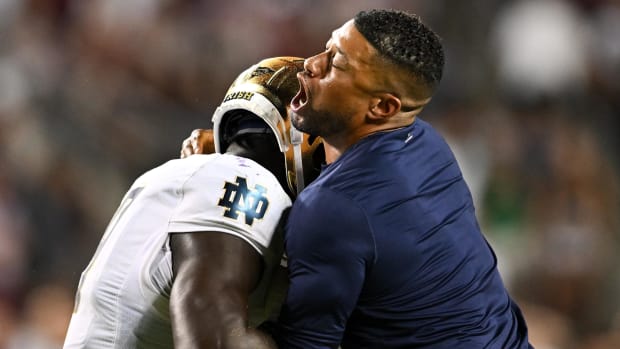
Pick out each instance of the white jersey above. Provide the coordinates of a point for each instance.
(124, 292)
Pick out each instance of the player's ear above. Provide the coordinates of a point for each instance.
(384, 106)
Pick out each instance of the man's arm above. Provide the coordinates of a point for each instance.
(214, 274)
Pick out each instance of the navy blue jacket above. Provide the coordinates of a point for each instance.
(385, 251)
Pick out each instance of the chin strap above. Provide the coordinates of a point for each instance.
(296, 140)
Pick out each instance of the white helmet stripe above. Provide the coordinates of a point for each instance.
(247, 98)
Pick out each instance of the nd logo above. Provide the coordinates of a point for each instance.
(239, 199)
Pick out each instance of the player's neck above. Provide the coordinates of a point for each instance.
(264, 150)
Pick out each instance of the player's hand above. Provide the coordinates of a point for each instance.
(200, 141)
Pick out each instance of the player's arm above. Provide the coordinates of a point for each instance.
(214, 274)
(200, 141)
(329, 247)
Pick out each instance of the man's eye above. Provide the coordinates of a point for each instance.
(337, 63)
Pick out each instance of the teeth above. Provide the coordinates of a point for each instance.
(300, 99)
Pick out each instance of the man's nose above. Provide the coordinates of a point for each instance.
(315, 65)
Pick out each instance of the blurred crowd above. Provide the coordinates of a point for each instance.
(93, 93)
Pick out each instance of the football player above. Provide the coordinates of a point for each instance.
(194, 242)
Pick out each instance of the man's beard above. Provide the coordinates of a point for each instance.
(319, 123)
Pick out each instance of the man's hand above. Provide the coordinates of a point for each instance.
(200, 141)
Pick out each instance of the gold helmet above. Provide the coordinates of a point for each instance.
(266, 89)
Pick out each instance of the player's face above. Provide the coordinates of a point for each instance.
(336, 85)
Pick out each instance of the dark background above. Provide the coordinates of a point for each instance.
(93, 93)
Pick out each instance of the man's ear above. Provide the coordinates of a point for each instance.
(384, 106)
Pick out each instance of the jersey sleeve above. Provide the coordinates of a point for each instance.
(232, 195)
(329, 246)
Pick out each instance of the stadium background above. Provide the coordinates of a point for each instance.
(93, 93)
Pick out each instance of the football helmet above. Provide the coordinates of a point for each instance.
(266, 89)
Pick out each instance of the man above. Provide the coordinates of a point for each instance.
(384, 249)
(395, 257)
(193, 238)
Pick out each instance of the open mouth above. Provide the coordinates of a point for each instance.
(301, 98)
